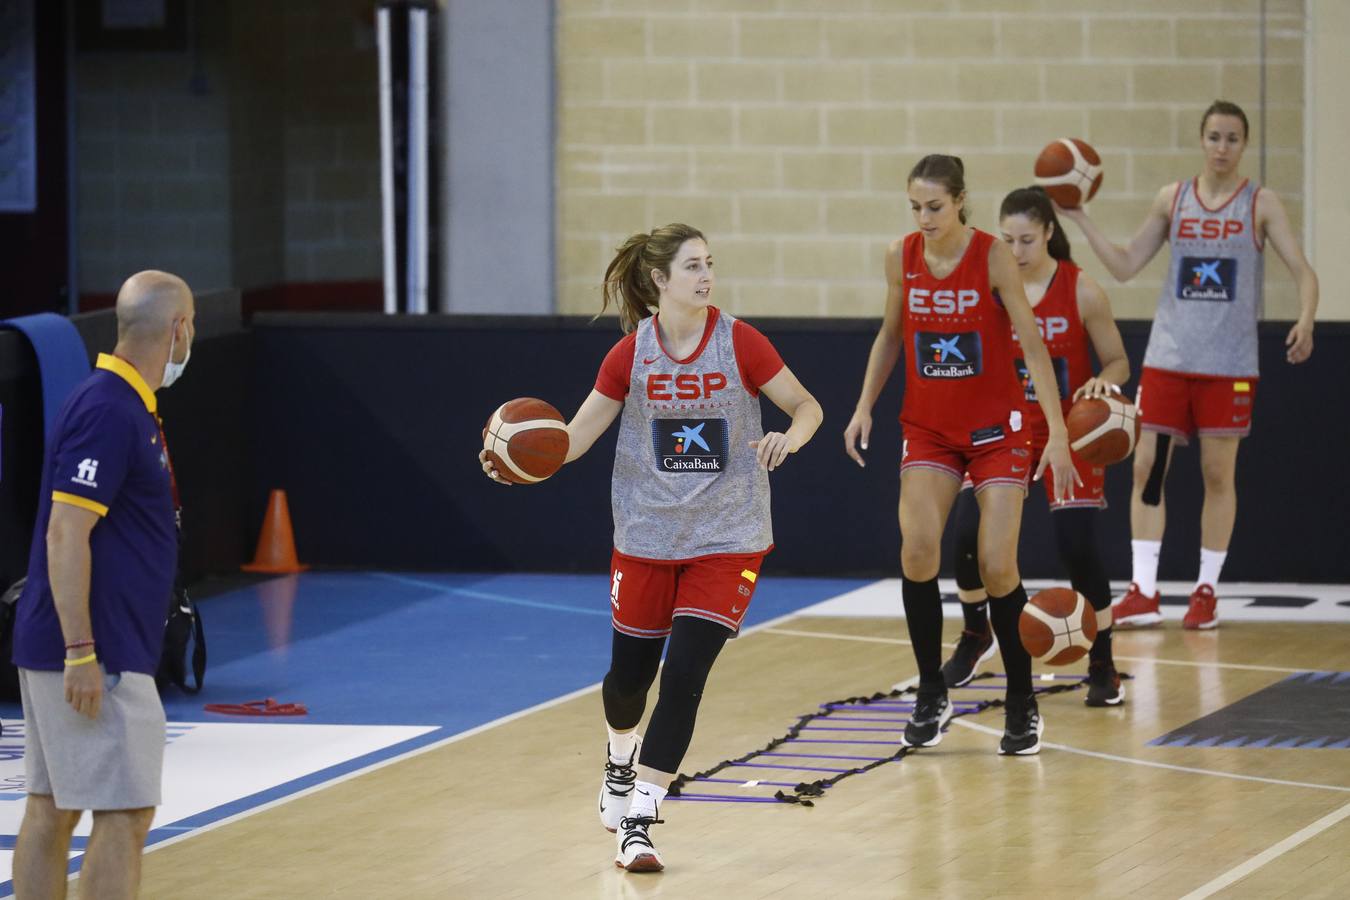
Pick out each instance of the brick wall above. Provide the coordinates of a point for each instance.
(785, 128)
(251, 161)
(152, 163)
(331, 142)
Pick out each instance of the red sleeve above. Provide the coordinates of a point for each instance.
(616, 372)
(756, 358)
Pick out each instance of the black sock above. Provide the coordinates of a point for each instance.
(1101, 647)
(1005, 612)
(923, 617)
(977, 616)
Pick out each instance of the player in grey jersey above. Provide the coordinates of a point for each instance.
(1199, 372)
(691, 505)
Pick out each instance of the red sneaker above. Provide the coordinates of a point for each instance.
(1135, 610)
(1202, 612)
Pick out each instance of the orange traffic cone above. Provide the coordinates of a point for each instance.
(276, 544)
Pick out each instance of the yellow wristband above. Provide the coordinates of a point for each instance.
(81, 661)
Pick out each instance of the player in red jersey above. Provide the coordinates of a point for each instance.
(1074, 317)
(953, 299)
(691, 506)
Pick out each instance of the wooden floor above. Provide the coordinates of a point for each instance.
(510, 811)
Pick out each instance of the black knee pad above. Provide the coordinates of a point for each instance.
(966, 534)
(1152, 493)
(632, 669)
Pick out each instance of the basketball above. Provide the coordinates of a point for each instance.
(1058, 626)
(526, 439)
(1103, 431)
(1070, 171)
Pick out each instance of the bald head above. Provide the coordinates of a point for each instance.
(149, 303)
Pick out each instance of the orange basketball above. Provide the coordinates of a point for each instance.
(526, 439)
(1058, 626)
(1070, 171)
(1103, 431)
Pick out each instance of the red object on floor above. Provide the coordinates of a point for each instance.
(268, 707)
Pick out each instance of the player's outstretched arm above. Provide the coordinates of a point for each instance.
(787, 394)
(1094, 308)
(594, 416)
(1004, 277)
(1126, 262)
(881, 360)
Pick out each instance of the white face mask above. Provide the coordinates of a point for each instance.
(172, 370)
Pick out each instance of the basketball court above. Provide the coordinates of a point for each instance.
(473, 772)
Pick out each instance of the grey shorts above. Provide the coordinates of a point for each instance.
(112, 762)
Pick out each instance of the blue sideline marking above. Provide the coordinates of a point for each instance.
(454, 651)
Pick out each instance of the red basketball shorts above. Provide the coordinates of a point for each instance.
(1008, 461)
(1180, 404)
(1091, 494)
(646, 595)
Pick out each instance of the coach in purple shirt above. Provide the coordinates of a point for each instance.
(90, 622)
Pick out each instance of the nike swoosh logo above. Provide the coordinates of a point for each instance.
(648, 362)
(735, 609)
(909, 275)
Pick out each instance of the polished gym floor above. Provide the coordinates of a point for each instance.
(452, 744)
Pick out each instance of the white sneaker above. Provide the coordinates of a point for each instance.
(616, 790)
(636, 852)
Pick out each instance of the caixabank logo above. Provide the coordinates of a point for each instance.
(1059, 364)
(1207, 279)
(941, 355)
(691, 445)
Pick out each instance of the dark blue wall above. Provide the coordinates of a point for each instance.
(372, 424)
(206, 420)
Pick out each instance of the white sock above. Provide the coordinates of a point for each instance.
(1146, 566)
(647, 799)
(1211, 563)
(621, 744)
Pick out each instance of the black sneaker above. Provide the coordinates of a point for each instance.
(1022, 728)
(931, 712)
(972, 649)
(1104, 687)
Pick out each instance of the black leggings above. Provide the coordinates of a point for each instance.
(694, 645)
(1075, 538)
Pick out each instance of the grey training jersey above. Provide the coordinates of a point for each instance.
(1212, 298)
(686, 482)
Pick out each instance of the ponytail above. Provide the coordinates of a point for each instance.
(628, 279)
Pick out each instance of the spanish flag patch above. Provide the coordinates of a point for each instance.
(1242, 387)
(748, 575)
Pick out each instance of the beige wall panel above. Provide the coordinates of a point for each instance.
(798, 121)
(713, 214)
(694, 126)
(627, 170)
(648, 81)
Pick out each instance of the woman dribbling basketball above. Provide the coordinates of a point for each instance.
(1074, 317)
(1200, 369)
(954, 298)
(691, 505)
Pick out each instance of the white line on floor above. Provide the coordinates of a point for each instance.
(417, 751)
(831, 635)
(1239, 872)
(1157, 765)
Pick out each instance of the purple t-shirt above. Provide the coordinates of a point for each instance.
(106, 456)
